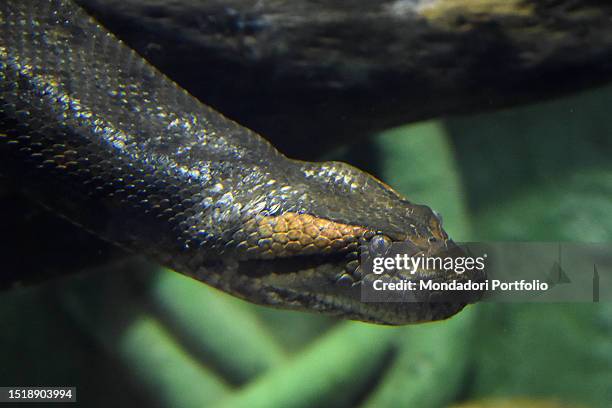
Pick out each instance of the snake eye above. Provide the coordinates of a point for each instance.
(380, 244)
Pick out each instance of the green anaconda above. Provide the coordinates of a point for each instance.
(95, 133)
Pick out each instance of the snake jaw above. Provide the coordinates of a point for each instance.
(332, 283)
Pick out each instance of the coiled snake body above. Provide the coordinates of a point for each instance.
(107, 141)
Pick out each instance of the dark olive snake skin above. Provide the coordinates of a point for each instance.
(94, 132)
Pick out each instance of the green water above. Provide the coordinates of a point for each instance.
(143, 336)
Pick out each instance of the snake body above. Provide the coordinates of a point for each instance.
(97, 134)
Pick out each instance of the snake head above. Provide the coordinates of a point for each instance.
(438, 261)
(308, 255)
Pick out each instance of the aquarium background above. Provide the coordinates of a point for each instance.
(132, 334)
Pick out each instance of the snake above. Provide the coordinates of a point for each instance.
(93, 132)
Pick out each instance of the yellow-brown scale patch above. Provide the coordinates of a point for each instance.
(293, 234)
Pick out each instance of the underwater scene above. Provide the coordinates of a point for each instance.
(498, 159)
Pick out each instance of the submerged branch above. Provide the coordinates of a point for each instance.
(307, 70)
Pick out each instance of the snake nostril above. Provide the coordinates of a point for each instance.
(438, 216)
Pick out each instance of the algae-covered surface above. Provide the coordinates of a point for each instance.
(132, 334)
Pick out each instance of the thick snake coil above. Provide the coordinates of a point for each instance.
(98, 135)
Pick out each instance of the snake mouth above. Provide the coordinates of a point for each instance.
(311, 283)
(423, 294)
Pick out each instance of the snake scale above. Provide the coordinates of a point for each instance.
(98, 135)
